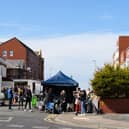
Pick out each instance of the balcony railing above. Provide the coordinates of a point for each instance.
(18, 74)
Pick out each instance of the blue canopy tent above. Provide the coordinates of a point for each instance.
(60, 79)
(59, 82)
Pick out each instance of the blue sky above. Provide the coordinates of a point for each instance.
(46, 18)
(71, 33)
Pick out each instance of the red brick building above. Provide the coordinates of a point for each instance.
(121, 55)
(22, 61)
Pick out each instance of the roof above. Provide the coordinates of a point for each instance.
(16, 39)
(60, 79)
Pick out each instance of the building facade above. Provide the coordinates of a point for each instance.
(23, 64)
(3, 69)
(4, 81)
(121, 55)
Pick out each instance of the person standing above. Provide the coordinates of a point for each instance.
(76, 95)
(83, 97)
(63, 102)
(28, 95)
(20, 97)
(10, 97)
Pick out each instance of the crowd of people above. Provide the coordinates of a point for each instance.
(54, 103)
(84, 101)
(21, 95)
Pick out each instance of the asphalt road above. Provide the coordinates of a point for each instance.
(16, 119)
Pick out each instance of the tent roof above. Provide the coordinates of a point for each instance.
(60, 79)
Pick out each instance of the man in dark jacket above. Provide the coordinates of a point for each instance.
(28, 95)
(10, 97)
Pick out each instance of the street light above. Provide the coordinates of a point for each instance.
(94, 61)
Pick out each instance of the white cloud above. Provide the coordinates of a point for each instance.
(74, 54)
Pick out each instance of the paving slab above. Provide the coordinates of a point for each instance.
(106, 121)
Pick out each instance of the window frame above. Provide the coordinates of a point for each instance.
(4, 53)
(11, 53)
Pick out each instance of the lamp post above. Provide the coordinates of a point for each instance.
(94, 61)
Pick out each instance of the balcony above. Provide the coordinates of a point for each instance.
(18, 73)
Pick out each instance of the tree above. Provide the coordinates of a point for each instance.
(111, 82)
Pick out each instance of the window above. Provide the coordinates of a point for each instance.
(4, 53)
(11, 53)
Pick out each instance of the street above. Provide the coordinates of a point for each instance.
(27, 120)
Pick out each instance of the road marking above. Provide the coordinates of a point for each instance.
(65, 128)
(15, 126)
(8, 119)
(40, 127)
(81, 118)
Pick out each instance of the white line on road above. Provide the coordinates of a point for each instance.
(15, 126)
(40, 127)
(81, 118)
(6, 120)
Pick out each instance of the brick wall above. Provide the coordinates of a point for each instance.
(13, 44)
(23, 54)
(123, 45)
(114, 105)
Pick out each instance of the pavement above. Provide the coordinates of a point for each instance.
(93, 121)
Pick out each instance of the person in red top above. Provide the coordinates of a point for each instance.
(77, 103)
